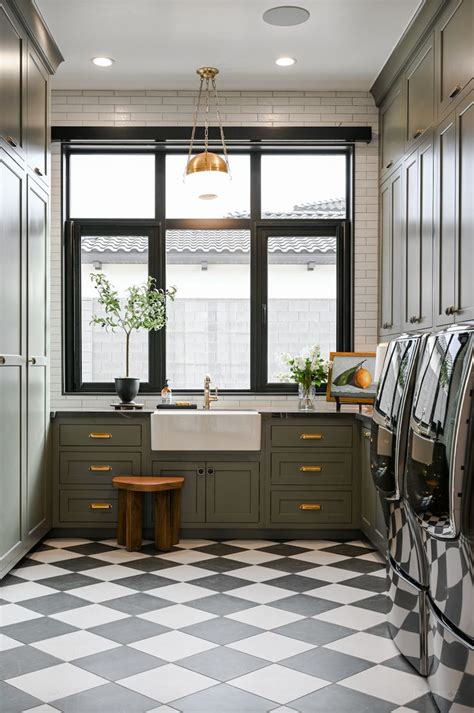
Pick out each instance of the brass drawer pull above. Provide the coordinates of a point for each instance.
(310, 506)
(100, 435)
(311, 436)
(311, 468)
(417, 133)
(455, 91)
(100, 506)
(100, 468)
(11, 141)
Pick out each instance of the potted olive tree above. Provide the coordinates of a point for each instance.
(143, 308)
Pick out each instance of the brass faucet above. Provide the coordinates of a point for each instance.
(208, 397)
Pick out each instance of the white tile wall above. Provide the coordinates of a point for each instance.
(284, 108)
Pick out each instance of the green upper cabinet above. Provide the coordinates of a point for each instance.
(392, 129)
(420, 93)
(12, 73)
(455, 39)
(37, 123)
(465, 210)
(391, 222)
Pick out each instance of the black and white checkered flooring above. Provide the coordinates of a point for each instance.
(213, 627)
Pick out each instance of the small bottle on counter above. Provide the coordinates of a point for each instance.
(166, 393)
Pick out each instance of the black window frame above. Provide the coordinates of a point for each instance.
(260, 229)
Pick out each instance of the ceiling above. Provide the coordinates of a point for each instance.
(158, 44)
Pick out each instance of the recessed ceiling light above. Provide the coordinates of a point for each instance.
(285, 61)
(286, 15)
(102, 61)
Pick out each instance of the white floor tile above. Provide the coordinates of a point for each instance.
(183, 573)
(37, 572)
(361, 543)
(372, 557)
(328, 574)
(89, 616)
(379, 573)
(265, 617)
(42, 709)
(102, 592)
(66, 542)
(352, 617)
(261, 593)
(114, 543)
(270, 646)
(177, 616)
(255, 573)
(167, 683)
(172, 646)
(118, 556)
(283, 709)
(167, 709)
(365, 646)
(13, 614)
(250, 544)
(181, 592)
(191, 544)
(111, 572)
(253, 557)
(51, 556)
(340, 593)
(189, 556)
(75, 645)
(388, 683)
(7, 643)
(55, 682)
(312, 544)
(320, 557)
(25, 590)
(279, 683)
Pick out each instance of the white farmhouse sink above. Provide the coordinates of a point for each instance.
(216, 430)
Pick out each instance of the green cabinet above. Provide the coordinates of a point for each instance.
(391, 223)
(392, 129)
(193, 494)
(371, 513)
(454, 39)
(420, 93)
(12, 86)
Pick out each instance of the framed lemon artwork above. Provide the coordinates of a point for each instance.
(351, 378)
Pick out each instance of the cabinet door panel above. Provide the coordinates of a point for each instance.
(391, 258)
(420, 93)
(465, 255)
(37, 124)
(392, 129)
(446, 223)
(37, 448)
(412, 243)
(193, 501)
(232, 492)
(455, 43)
(367, 495)
(37, 271)
(426, 183)
(12, 53)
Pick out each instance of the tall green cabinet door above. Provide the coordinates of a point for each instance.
(232, 492)
(12, 361)
(37, 369)
(465, 228)
(193, 497)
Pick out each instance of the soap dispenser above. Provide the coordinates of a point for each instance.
(166, 393)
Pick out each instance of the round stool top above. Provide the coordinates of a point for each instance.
(147, 483)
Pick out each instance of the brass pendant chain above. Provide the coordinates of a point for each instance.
(219, 120)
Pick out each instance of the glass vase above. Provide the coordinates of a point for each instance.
(306, 396)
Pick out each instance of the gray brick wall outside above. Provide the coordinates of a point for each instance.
(239, 108)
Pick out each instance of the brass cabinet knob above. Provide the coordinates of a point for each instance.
(366, 434)
(10, 140)
(455, 91)
(31, 361)
(38, 171)
(389, 164)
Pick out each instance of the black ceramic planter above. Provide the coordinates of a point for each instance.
(127, 389)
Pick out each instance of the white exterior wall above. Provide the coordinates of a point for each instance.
(239, 108)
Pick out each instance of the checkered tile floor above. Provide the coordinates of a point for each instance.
(213, 627)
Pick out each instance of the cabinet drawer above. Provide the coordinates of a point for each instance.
(312, 468)
(85, 506)
(312, 436)
(304, 507)
(100, 436)
(93, 469)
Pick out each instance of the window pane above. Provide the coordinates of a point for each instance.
(112, 186)
(302, 287)
(303, 186)
(124, 261)
(180, 202)
(208, 327)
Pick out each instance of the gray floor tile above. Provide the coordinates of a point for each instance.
(151, 564)
(80, 564)
(379, 630)
(348, 550)
(118, 663)
(13, 700)
(355, 564)
(304, 605)
(220, 564)
(223, 664)
(313, 631)
(65, 582)
(127, 631)
(221, 582)
(339, 699)
(222, 630)
(221, 604)
(104, 699)
(91, 548)
(143, 582)
(37, 629)
(293, 582)
(425, 704)
(24, 659)
(286, 564)
(326, 664)
(223, 699)
(400, 664)
(284, 550)
(378, 603)
(136, 603)
(9, 580)
(54, 603)
(368, 582)
(219, 549)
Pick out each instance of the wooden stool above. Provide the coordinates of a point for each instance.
(167, 509)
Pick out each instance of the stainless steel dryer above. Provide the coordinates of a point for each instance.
(407, 597)
(439, 488)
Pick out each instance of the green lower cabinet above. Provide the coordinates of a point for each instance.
(232, 492)
(311, 507)
(193, 502)
(92, 468)
(371, 513)
(87, 507)
(311, 468)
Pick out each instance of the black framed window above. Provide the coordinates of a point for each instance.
(253, 280)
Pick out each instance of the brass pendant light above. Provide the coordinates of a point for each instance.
(207, 172)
